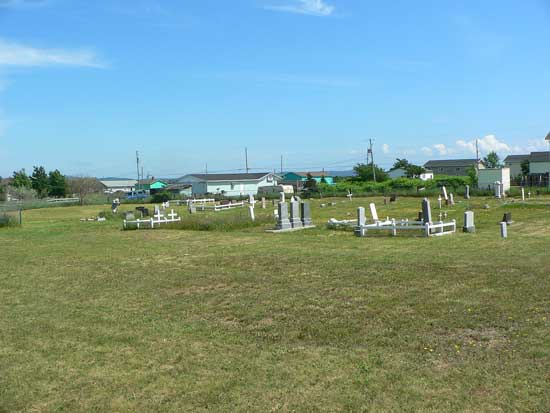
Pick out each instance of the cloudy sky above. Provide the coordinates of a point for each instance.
(84, 84)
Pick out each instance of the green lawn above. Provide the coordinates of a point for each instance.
(93, 318)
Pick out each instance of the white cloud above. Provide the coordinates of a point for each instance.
(386, 148)
(309, 7)
(537, 145)
(14, 54)
(441, 149)
(487, 144)
(427, 151)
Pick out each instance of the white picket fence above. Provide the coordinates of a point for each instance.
(158, 220)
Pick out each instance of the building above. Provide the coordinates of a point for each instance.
(118, 185)
(397, 173)
(152, 185)
(453, 167)
(487, 177)
(514, 163)
(298, 179)
(185, 190)
(539, 163)
(229, 184)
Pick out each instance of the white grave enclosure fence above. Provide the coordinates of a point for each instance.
(157, 220)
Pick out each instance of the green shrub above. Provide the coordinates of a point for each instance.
(160, 197)
(8, 220)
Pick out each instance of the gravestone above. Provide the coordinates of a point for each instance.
(128, 216)
(157, 209)
(295, 220)
(419, 219)
(282, 220)
(373, 212)
(503, 230)
(426, 211)
(251, 210)
(451, 199)
(361, 218)
(263, 203)
(469, 225)
(439, 202)
(502, 191)
(444, 192)
(143, 211)
(522, 194)
(467, 193)
(498, 195)
(251, 200)
(507, 218)
(393, 198)
(192, 209)
(282, 197)
(306, 214)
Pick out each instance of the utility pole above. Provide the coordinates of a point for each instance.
(371, 153)
(206, 169)
(137, 166)
(246, 158)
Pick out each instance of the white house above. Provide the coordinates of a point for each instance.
(402, 173)
(229, 184)
(487, 177)
(118, 185)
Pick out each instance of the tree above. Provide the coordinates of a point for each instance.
(39, 180)
(364, 173)
(472, 173)
(84, 186)
(311, 183)
(492, 160)
(525, 167)
(57, 184)
(414, 171)
(21, 179)
(401, 163)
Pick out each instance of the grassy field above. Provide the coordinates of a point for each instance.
(93, 318)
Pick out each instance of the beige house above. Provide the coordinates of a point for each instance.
(514, 163)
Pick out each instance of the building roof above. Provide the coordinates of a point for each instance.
(117, 184)
(450, 163)
(230, 177)
(539, 157)
(313, 174)
(516, 158)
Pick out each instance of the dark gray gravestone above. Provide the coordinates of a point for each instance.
(306, 214)
(507, 218)
(393, 198)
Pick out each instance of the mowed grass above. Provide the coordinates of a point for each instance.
(93, 318)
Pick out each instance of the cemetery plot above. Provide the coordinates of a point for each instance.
(157, 221)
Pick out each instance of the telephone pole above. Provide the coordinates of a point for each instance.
(371, 153)
(137, 166)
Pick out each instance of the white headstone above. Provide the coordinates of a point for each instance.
(504, 230)
(439, 202)
(522, 193)
(361, 218)
(251, 209)
(444, 191)
(373, 212)
(497, 190)
(469, 225)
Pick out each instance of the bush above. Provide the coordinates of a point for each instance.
(8, 220)
(161, 197)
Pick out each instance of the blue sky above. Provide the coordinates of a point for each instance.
(84, 84)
